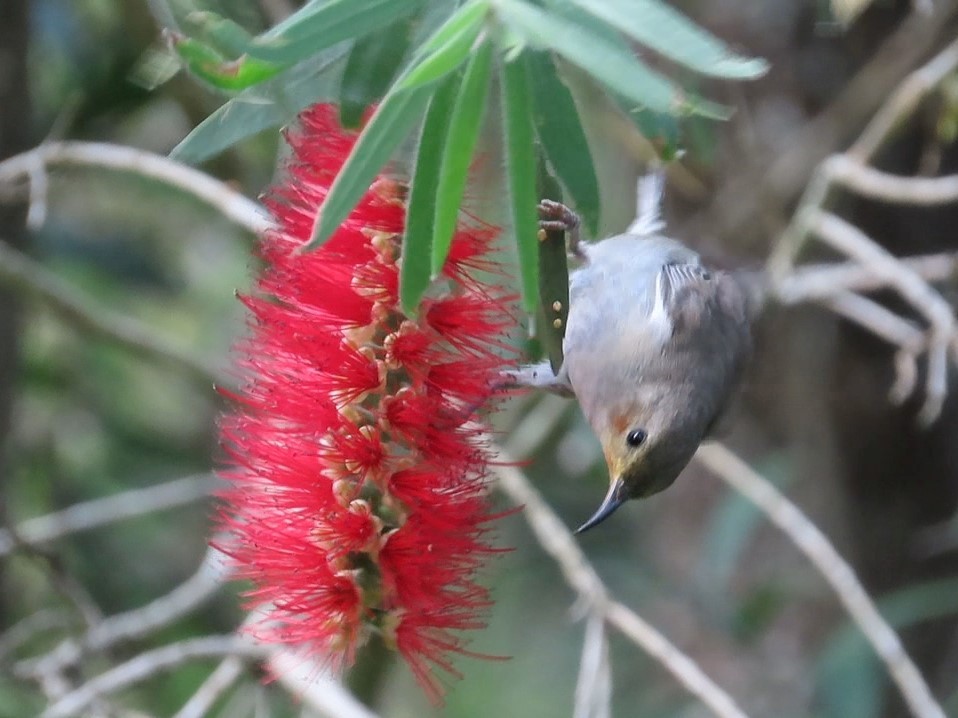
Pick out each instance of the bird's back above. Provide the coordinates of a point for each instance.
(645, 312)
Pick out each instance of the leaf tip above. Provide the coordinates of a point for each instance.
(321, 232)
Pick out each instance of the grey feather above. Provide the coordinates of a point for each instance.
(655, 345)
(646, 314)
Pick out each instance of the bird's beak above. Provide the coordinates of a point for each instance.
(613, 500)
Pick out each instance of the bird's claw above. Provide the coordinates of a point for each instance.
(556, 217)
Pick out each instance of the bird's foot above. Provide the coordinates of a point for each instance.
(536, 376)
(556, 217)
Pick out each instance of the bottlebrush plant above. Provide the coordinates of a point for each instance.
(358, 483)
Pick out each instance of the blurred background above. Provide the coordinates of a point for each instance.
(82, 418)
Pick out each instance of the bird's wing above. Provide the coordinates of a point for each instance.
(675, 277)
(681, 289)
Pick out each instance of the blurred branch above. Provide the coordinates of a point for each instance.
(765, 189)
(558, 542)
(311, 683)
(593, 689)
(27, 628)
(839, 574)
(874, 184)
(904, 101)
(62, 580)
(219, 195)
(905, 276)
(215, 685)
(104, 511)
(890, 327)
(850, 240)
(22, 273)
(136, 623)
(149, 664)
(815, 282)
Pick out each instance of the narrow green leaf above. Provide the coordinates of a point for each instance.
(213, 68)
(553, 277)
(848, 676)
(270, 104)
(562, 137)
(521, 169)
(373, 63)
(662, 130)
(319, 26)
(387, 128)
(417, 242)
(607, 61)
(449, 47)
(671, 34)
(460, 142)
(223, 34)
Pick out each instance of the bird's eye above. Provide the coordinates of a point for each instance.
(635, 438)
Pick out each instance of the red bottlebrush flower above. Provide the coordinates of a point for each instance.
(358, 500)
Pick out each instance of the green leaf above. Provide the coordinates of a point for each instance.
(602, 58)
(848, 675)
(373, 63)
(210, 66)
(729, 528)
(663, 131)
(553, 278)
(315, 27)
(449, 47)
(562, 137)
(222, 34)
(671, 34)
(270, 104)
(460, 142)
(387, 128)
(521, 169)
(417, 242)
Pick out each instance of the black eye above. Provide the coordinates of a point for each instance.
(635, 438)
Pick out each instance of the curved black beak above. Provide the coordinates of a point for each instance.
(613, 500)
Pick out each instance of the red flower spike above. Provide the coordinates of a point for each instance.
(358, 495)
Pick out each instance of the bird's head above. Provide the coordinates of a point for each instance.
(646, 445)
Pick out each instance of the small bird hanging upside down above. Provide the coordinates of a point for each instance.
(654, 348)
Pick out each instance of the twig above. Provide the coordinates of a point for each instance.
(874, 184)
(851, 241)
(315, 687)
(903, 102)
(20, 272)
(819, 281)
(149, 664)
(880, 321)
(63, 582)
(593, 689)
(890, 327)
(227, 201)
(136, 623)
(109, 510)
(25, 629)
(558, 542)
(839, 574)
(215, 685)
(884, 268)
(765, 187)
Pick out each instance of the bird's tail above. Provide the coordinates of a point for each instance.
(648, 204)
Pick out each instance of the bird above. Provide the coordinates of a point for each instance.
(654, 349)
